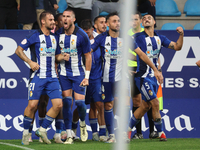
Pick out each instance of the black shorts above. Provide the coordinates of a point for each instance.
(134, 90)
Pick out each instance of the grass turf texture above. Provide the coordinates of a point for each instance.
(171, 144)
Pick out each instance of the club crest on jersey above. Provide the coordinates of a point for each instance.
(72, 42)
(103, 96)
(120, 44)
(150, 92)
(53, 41)
(158, 41)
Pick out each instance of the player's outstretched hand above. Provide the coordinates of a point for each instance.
(85, 82)
(66, 56)
(34, 66)
(180, 30)
(198, 63)
(159, 76)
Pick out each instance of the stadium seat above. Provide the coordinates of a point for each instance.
(103, 13)
(167, 8)
(192, 8)
(62, 6)
(171, 26)
(197, 26)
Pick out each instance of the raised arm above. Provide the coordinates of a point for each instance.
(179, 43)
(19, 51)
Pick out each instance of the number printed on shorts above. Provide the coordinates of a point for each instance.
(31, 86)
(147, 85)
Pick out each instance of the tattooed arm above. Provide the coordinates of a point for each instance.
(19, 51)
(178, 44)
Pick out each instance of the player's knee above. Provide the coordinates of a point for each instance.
(137, 101)
(100, 105)
(145, 106)
(32, 107)
(58, 105)
(108, 106)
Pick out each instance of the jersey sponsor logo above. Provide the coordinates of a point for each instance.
(68, 50)
(152, 53)
(47, 54)
(115, 54)
(47, 50)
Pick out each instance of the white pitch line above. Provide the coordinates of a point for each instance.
(16, 146)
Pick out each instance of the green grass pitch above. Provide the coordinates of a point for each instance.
(142, 144)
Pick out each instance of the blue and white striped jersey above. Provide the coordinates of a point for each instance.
(76, 44)
(43, 50)
(96, 69)
(112, 51)
(151, 46)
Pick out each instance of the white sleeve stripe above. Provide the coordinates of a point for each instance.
(145, 93)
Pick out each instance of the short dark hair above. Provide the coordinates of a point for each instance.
(86, 24)
(112, 14)
(43, 15)
(57, 16)
(138, 13)
(69, 9)
(95, 19)
(148, 14)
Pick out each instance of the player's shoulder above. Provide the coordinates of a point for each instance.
(156, 33)
(80, 33)
(102, 35)
(33, 33)
(139, 34)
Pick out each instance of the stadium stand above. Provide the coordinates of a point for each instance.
(62, 6)
(167, 8)
(197, 26)
(171, 26)
(192, 8)
(183, 19)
